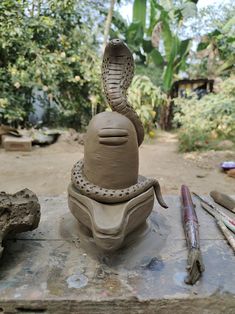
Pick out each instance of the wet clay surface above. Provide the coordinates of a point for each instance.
(49, 270)
(19, 212)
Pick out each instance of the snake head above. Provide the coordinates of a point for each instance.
(117, 48)
(116, 42)
(117, 74)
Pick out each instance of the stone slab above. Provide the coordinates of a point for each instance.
(11, 143)
(50, 271)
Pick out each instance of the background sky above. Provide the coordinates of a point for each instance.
(126, 10)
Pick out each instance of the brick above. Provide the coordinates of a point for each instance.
(11, 143)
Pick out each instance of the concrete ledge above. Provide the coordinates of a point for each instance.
(49, 271)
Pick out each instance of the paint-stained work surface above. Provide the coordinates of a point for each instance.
(49, 271)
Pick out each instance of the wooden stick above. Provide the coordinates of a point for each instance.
(224, 200)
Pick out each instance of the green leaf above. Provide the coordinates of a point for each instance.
(167, 38)
(170, 68)
(226, 65)
(178, 15)
(202, 46)
(229, 24)
(147, 45)
(153, 17)
(168, 77)
(139, 12)
(135, 33)
(184, 47)
(166, 31)
(156, 57)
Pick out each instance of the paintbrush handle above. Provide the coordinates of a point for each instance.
(195, 265)
(225, 219)
(214, 211)
(226, 233)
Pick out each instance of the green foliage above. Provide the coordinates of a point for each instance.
(211, 117)
(139, 11)
(175, 50)
(215, 54)
(172, 57)
(146, 99)
(47, 47)
(152, 72)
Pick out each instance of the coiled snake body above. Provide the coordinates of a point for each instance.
(113, 196)
(117, 74)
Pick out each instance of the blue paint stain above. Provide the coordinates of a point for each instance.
(77, 281)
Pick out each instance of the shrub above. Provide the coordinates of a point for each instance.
(202, 121)
(47, 47)
(146, 98)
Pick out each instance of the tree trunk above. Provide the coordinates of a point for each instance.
(166, 115)
(108, 23)
(33, 8)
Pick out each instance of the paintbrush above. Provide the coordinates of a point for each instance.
(195, 265)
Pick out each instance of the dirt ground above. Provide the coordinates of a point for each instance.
(46, 170)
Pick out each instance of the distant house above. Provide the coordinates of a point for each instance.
(200, 86)
(183, 88)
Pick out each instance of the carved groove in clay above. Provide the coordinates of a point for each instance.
(19, 212)
(113, 196)
(117, 74)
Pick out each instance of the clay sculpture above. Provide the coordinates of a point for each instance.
(106, 194)
(19, 212)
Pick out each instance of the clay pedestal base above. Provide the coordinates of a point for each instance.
(110, 223)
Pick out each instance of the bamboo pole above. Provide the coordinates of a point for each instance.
(108, 23)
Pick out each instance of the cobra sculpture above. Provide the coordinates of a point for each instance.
(117, 74)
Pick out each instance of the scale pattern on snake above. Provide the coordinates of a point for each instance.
(113, 196)
(117, 74)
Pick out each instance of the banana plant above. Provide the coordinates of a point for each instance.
(146, 32)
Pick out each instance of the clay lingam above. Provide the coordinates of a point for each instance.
(106, 194)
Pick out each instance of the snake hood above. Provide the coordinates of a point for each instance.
(117, 74)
